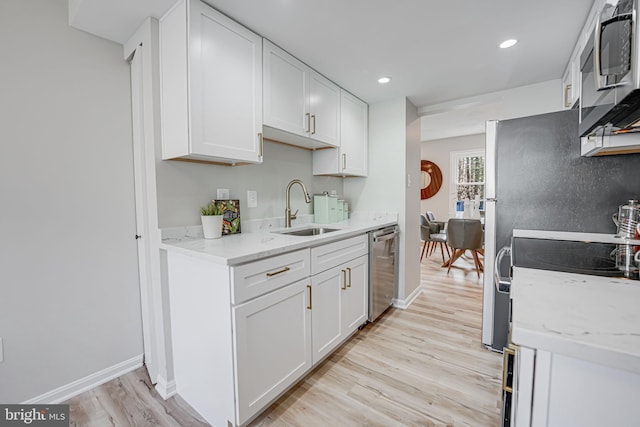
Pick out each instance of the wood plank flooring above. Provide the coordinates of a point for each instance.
(424, 366)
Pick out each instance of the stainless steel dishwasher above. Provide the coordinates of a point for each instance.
(383, 269)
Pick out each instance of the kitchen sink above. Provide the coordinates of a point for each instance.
(311, 231)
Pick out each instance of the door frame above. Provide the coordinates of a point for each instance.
(141, 51)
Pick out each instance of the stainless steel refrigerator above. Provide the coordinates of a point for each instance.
(536, 179)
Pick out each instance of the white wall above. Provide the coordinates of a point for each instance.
(185, 186)
(412, 201)
(393, 153)
(69, 293)
(467, 116)
(439, 152)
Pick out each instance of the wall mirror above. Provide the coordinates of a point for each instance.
(430, 179)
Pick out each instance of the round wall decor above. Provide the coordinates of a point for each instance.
(431, 179)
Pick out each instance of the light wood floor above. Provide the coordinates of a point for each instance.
(424, 366)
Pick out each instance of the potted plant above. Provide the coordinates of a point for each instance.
(211, 216)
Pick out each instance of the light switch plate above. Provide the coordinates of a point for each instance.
(222, 194)
(252, 199)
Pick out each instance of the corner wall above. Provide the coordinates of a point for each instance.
(393, 181)
(69, 292)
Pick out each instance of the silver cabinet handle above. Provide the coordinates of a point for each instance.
(344, 161)
(261, 140)
(344, 280)
(349, 270)
(308, 129)
(567, 103)
(310, 306)
(275, 273)
(314, 124)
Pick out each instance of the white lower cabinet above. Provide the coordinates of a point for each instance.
(273, 346)
(326, 322)
(355, 297)
(242, 335)
(555, 390)
(339, 305)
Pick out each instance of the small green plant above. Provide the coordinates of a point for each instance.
(212, 208)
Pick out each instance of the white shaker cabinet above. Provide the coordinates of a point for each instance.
(243, 334)
(350, 158)
(211, 87)
(340, 292)
(339, 305)
(555, 390)
(326, 330)
(273, 346)
(301, 107)
(571, 81)
(354, 301)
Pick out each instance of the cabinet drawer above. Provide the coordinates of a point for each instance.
(259, 277)
(332, 254)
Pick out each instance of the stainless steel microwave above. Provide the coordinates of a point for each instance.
(610, 72)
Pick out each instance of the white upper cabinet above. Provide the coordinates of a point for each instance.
(350, 158)
(211, 87)
(301, 107)
(324, 109)
(571, 80)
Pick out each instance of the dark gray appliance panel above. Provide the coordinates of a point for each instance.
(543, 183)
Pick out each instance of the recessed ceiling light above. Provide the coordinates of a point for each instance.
(508, 43)
(384, 80)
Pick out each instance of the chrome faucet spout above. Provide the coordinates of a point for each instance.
(288, 216)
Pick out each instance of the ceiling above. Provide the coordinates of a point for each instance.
(434, 51)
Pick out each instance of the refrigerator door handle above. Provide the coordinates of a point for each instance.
(500, 282)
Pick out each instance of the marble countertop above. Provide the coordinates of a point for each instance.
(587, 317)
(251, 246)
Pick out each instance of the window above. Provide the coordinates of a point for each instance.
(467, 176)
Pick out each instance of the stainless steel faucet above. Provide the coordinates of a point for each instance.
(288, 216)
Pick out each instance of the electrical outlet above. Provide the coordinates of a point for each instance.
(252, 199)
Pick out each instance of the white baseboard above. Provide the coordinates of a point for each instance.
(70, 390)
(165, 388)
(405, 303)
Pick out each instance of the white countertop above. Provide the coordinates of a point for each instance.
(246, 247)
(586, 317)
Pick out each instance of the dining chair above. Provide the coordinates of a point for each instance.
(463, 235)
(431, 236)
(432, 220)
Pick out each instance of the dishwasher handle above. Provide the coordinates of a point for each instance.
(387, 234)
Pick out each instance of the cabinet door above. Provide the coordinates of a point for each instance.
(353, 135)
(324, 106)
(571, 81)
(354, 298)
(272, 346)
(286, 91)
(225, 87)
(326, 291)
